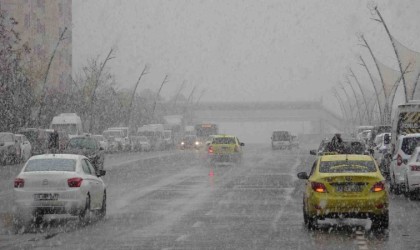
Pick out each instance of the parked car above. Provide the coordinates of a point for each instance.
(145, 144)
(381, 151)
(58, 184)
(405, 146)
(10, 151)
(25, 147)
(88, 146)
(412, 175)
(38, 139)
(102, 141)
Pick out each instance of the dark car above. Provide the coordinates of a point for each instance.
(89, 147)
(189, 142)
(349, 146)
(9, 148)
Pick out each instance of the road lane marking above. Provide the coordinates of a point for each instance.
(287, 199)
(361, 240)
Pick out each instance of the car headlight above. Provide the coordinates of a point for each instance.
(182, 143)
(197, 143)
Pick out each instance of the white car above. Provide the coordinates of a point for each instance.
(412, 175)
(58, 184)
(381, 150)
(103, 142)
(144, 144)
(405, 146)
(25, 147)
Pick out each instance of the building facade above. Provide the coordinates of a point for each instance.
(40, 24)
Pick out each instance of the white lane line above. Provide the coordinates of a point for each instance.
(288, 198)
(361, 240)
(182, 237)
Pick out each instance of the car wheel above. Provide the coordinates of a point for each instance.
(85, 214)
(102, 211)
(380, 222)
(310, 221)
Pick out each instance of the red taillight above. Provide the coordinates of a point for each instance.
(318, 187)
(414, 168)
(399, 160)
(210, 150)
(75, 182)
(379, 186)
(19, 183)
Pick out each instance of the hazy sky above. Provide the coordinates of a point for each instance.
(240, 50)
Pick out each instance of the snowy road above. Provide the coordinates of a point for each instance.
(172, 200)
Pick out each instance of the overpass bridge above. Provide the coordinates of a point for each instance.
(321, 119)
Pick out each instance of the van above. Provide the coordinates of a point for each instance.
(281, 140)
(68, 122)
(405, 145)
(406, 121)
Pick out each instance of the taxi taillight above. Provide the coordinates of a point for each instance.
(377, 187)
(318, 187)
(210, 150)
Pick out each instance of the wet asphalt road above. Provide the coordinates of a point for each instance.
(173, 200)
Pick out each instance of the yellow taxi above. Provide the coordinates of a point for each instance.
(225, 148)
(345, 186)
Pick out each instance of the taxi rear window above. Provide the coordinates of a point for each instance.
(347, 167)
(224, 140)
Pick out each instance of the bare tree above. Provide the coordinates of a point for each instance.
(134, 93)
(165, 80)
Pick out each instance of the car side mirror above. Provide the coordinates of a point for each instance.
(312, 152)
(101, 148)
(242, 144)
(303, 176)
(101, 173)
(405, 161)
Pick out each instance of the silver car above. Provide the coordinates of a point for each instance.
(58, 184)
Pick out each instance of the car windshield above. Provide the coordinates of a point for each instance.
(82, 143)
(409, 144)
(68, 165)
(281, 136)
(224, 140)
(70, 129)
(347, 166)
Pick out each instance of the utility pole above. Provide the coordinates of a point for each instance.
(395, 50)
(92, 97)
(165, 80)
(363, 94)
(44, 84)
(133, 95)
(374, 87)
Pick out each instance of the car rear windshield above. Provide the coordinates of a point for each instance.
(51, 165)
(224, 140)
(347, 167)
(409, 144)
(80, 143)
(281, 136)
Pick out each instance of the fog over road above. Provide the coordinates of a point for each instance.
(173, 200)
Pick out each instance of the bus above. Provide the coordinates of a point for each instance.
(204, 130)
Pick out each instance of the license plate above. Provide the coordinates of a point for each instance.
(349, 188)
(43, 197)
